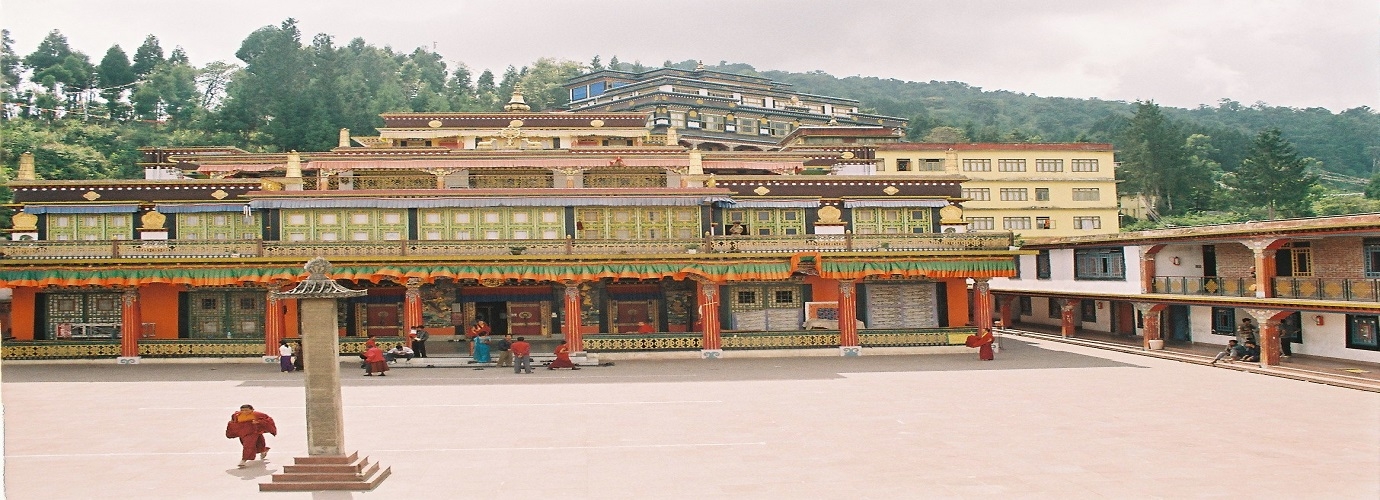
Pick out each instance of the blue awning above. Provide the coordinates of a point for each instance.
(80, 209)
(192, 208)
(894, 203)
(535, 201)
(773, 204)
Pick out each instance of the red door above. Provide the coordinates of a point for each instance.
(383, 320)
(524, 318)
(1125, 318)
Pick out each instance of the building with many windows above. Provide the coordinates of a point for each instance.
(1312, 285)
(557, 226)
(711, 110)
(1035, 189)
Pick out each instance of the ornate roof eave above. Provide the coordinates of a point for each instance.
(318, 285)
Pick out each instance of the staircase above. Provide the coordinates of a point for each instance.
(320, 473)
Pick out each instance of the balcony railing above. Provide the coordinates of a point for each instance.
(1348, 289)
(231, 249)
(1199, 285)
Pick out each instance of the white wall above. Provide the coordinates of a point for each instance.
(1329, 339)
(1190, 261)
(1061, 276)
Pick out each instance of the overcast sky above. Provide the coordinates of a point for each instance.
(1300, 53)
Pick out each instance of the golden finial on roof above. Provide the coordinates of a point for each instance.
(27, 172)
(517, 104)
(833, 121)
(699, 66)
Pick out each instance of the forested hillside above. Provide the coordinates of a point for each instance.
(83, 117)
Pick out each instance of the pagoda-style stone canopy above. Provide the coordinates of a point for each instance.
(318, 285)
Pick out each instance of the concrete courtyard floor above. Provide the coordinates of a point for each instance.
(1045, 420)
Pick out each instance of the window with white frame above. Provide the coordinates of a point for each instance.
(1086, 223)
(1014, 194)
(1083, 165)
(978, 194)
(1011, 165)
(982, 223)
(1086, 194)
(1011, 223)
(1049, 165)
(977, 165)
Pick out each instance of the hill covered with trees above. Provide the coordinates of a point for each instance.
(84, 118)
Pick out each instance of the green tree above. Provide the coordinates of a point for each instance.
(148, 56)
(114, 75)
(543, 87)
(179, 56)
(1372, 191)
(946, 135)
(168, 92)
(1275, 178)
(595, 64)
(1155, 162)
(614, 64)
(486, 92)
(460, 89)
(213, 79)
(9, 62)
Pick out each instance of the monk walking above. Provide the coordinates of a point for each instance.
(562, 358)
(983, 343)
(250, 426)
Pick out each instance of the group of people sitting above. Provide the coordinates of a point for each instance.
(1237, 352)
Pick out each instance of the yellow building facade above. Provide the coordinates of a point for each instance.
(1037, 190)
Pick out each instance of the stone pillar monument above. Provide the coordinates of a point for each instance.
(327, 466)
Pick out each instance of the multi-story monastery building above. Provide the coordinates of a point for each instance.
(713, 110)
(575, 226)
(1310, 284)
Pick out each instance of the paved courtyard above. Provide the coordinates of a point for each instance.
(1045, 420)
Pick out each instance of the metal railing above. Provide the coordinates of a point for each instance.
(1347, 289)
(1199, 285)
(233, 249)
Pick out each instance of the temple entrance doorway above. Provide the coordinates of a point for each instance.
(493, 313)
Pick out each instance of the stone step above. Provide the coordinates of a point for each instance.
(328, 459)
(353, 468)
(346, 476)
(355, 475)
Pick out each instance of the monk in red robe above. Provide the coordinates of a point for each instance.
(250, 426)
(562, 358)
(375, 362)
(983, 343)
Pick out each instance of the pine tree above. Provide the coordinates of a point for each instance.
(148, 56)
(595, 64)
(614, 64)
(1273, 177)
(114, 75)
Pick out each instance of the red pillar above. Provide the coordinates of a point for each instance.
(982, 305)
(1270, 351)
(1067, 326)
(273, 323)
(412, 308)
(711, 343)
(1004, 309)
(131, 325)
(849, 343)
(1148, 269)
(571, 327)
(1151, 315)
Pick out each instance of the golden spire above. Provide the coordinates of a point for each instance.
(27, 172)
(517, 104)
(699, 66)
